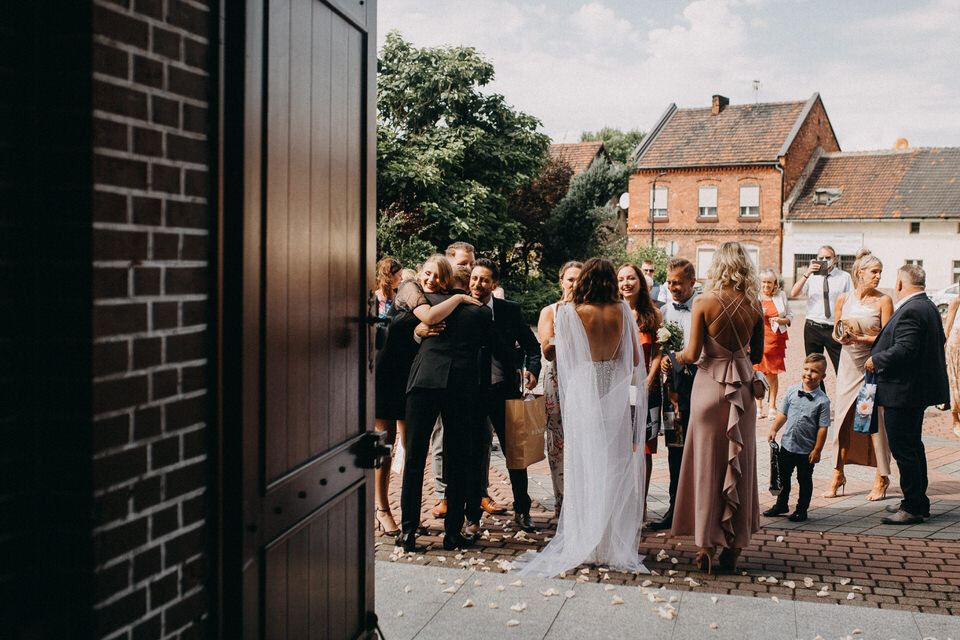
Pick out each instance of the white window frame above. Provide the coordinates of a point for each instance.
(703, 265)
(750, 210)
(658, 201)
(704, 208)
(753, 252)
(918, 262)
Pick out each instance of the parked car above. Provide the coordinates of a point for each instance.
(943, 297)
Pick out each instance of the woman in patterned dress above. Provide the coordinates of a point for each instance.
(569, 273)
(953, 361)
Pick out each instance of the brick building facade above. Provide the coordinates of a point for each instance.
(722, 174)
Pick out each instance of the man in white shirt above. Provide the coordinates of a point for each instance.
(681, 276)
(822, 283)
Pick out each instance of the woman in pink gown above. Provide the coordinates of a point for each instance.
(717, 500)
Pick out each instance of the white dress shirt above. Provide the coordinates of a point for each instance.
(683, 317)
(496, 370)
(839, 281)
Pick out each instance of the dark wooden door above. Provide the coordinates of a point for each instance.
(297, 228)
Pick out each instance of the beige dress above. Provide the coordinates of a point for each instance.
(953, 362)
(717, 497)
(870, 450)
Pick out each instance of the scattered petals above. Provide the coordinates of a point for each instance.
(673, 599)
(458, 581)
(761, 579)
(772, 580)
(857, 632)
(822, 594)
(477, 583)
(714, 599)
(449, 590)
(518, 607)
(493, 605)
(672, 572)
(654, 572)
(714, 625)
(518, 583)
(851, 595)
(513, 623)
(616, 600)
(646, 583)
(609, 587)
(569, 594)
(790, 584)
(441, 558)
(857, 588)
(459, 556)
(808, 582)
(661, 534)
(581, 579)
(407, 589)
(779, 538)
(500, 587)
(550, 592)
(399, 614)
(584, 570)
(844, 580)
(666, 614)
(662, 555)
(674, 561)
(467, 604)
(441, 581)
(563, 574)
(775, 599)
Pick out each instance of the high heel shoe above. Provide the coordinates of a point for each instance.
(383, 527)
(705, 559)
(879, 491)
(838, 484)
(729, 558)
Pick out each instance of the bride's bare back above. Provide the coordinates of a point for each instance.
(603, 324)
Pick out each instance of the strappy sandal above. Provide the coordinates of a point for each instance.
(705, 559)
(382, 527)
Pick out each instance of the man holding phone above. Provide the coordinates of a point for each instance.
(822, 283)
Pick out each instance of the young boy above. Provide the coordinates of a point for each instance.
(805, 410)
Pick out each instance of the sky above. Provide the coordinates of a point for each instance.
(884, 69)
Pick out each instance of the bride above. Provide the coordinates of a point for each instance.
(598, 356)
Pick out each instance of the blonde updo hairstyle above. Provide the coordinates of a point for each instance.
(733, 268)
(865, 259)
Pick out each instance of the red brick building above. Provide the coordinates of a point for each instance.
(722, 173)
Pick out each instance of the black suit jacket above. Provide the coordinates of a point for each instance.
(908, 357)
(514, 345)
(460, 355)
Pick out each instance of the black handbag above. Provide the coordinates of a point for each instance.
(775, 486)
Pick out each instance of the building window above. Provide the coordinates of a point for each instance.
(708, 202)
(754, 254)
(704, 261)
(955, 274)
(750, 200)
(918, 263)
(801, 262)
(914, 227)
(658, 202)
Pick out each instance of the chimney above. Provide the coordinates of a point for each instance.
(719, 102)
(902, 144)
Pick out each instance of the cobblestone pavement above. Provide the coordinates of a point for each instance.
(842, 554)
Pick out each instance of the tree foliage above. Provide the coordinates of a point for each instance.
(580, 225)
(619, 144)
(448, 155)
(530, 206)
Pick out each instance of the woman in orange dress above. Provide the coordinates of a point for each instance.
(776, 319)
(633, 289)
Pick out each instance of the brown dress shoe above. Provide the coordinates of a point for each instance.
(491, 507)
(440, 509)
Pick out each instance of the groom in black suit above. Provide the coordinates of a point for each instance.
(911, 374)
(509, 331)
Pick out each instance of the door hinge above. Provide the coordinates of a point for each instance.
(370, 449)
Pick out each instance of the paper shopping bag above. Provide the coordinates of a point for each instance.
(526, 419)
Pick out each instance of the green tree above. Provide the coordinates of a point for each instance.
(530, 206)
(619, 144)
(583, 224)
(448, 155)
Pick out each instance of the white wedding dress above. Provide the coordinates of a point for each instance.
(603, 463)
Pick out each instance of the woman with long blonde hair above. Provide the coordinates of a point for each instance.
(860, 315)
(717, 500)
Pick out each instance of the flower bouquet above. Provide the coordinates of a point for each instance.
(670, 336)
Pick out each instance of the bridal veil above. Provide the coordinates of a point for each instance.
(603, 470)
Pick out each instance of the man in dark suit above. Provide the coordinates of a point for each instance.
(509, 331)
(447, 379)
(911, 374)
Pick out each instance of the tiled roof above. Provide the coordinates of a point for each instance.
(578, 155)
(739, 134)
(878, 185)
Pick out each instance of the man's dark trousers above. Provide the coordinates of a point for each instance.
(683, 384)
(496, 402)
(819, 337)
(903, 433)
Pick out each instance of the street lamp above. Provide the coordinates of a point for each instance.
(653, 198)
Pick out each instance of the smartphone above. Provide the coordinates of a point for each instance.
(824, 264)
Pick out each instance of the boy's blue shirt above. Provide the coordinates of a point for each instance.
(806, 414)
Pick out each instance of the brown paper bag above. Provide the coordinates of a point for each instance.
(525, 422)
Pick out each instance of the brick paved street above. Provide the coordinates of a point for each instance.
(843, 545)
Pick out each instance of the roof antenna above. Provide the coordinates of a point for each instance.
(756, 92)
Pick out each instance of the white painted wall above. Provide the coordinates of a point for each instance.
(937, 244)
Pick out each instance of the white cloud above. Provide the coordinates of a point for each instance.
(621, 62)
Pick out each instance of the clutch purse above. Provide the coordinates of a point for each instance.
(759, 385)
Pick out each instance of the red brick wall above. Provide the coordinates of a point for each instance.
(151, 295)
(815, 132)
(683, 224)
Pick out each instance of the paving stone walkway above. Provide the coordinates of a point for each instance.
(843, 546)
